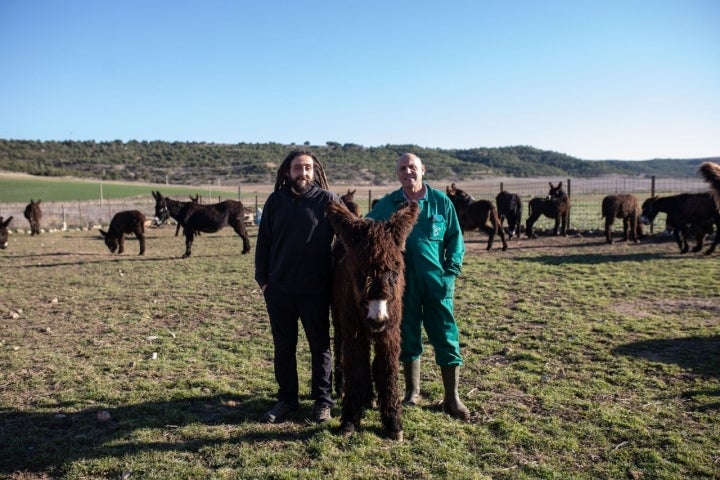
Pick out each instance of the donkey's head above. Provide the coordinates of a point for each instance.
(4, 231)
(556, 192)
(162, 213)
(374, 261)
(111, 241)
(459, 198)
(649, 210)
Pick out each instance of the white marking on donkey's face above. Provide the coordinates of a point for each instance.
(378, 312)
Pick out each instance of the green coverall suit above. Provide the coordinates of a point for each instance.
(434, 253)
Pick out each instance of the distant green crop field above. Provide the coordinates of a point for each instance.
(21, 188)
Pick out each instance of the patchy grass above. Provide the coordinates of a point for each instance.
(583, 360)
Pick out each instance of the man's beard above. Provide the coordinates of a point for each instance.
(300, 185)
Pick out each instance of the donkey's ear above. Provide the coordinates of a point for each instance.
(104, 234)
(402, 222)
(344, 223)
(559, 185)
(6, 222)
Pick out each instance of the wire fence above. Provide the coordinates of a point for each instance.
(586, 196)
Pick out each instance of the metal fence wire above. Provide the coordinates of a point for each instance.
(586, 195)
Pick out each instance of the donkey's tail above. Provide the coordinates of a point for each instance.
(711, 173)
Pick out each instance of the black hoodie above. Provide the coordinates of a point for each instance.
(292, 253)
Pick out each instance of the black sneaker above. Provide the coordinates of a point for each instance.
(279, 412)
(322, 413)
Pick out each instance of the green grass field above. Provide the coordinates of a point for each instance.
(21, 188)
(583, 361)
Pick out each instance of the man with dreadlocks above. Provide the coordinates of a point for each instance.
(292, 267)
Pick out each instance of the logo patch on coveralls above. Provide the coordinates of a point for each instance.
(437, 227)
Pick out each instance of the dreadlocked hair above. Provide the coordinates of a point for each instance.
(283, 173)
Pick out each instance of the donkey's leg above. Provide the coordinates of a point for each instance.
(681, 238)
(626, 228)
(238, 225)
(717, 239)
(141, 238)
(699, 240)
(121, 243)
(490, 233)
(356, 373)
(608, 230)
(501, 233)
(385, 373)
(189, 234)
(529, 225)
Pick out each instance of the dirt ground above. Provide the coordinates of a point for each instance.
(476, 244)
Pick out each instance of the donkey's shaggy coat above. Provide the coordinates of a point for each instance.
(625, 207)
(129, 221)
(33, 213)
(368, 286)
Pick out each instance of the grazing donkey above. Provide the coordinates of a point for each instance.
(130, 222)
(509, 206)
(480, 214)
(4, 231)
(195, 218)
(367, 290)
(625, 207)
(556, 205)
(33, 215)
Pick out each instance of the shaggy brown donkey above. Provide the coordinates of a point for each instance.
(33, 213)
(349, 201)
(4, 231)
(473, 214)
(711, 173)
(130, 221)
(686, 212)
(509, 207)
(368, 286)
(625, 207)
(556, 205)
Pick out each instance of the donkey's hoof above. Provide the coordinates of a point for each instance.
(396, 435)
(347, 429)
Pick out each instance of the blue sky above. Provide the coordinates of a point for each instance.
(605, 79)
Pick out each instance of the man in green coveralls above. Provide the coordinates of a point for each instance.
(433, 258)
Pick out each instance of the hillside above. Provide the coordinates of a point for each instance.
(195, 163)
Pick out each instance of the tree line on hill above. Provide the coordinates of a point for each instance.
(194, 163)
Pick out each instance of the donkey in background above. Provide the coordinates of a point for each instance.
(625, 207)
(509, 207)
(33, 213)
(686, 213)
(4, 232)
(349, 201)
(556, 205)
(130, 222)
(480, 214)
(196, 217)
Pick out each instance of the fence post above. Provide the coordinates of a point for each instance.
(502, 187)
(369, 200)
(652, 194)
(569, 192)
